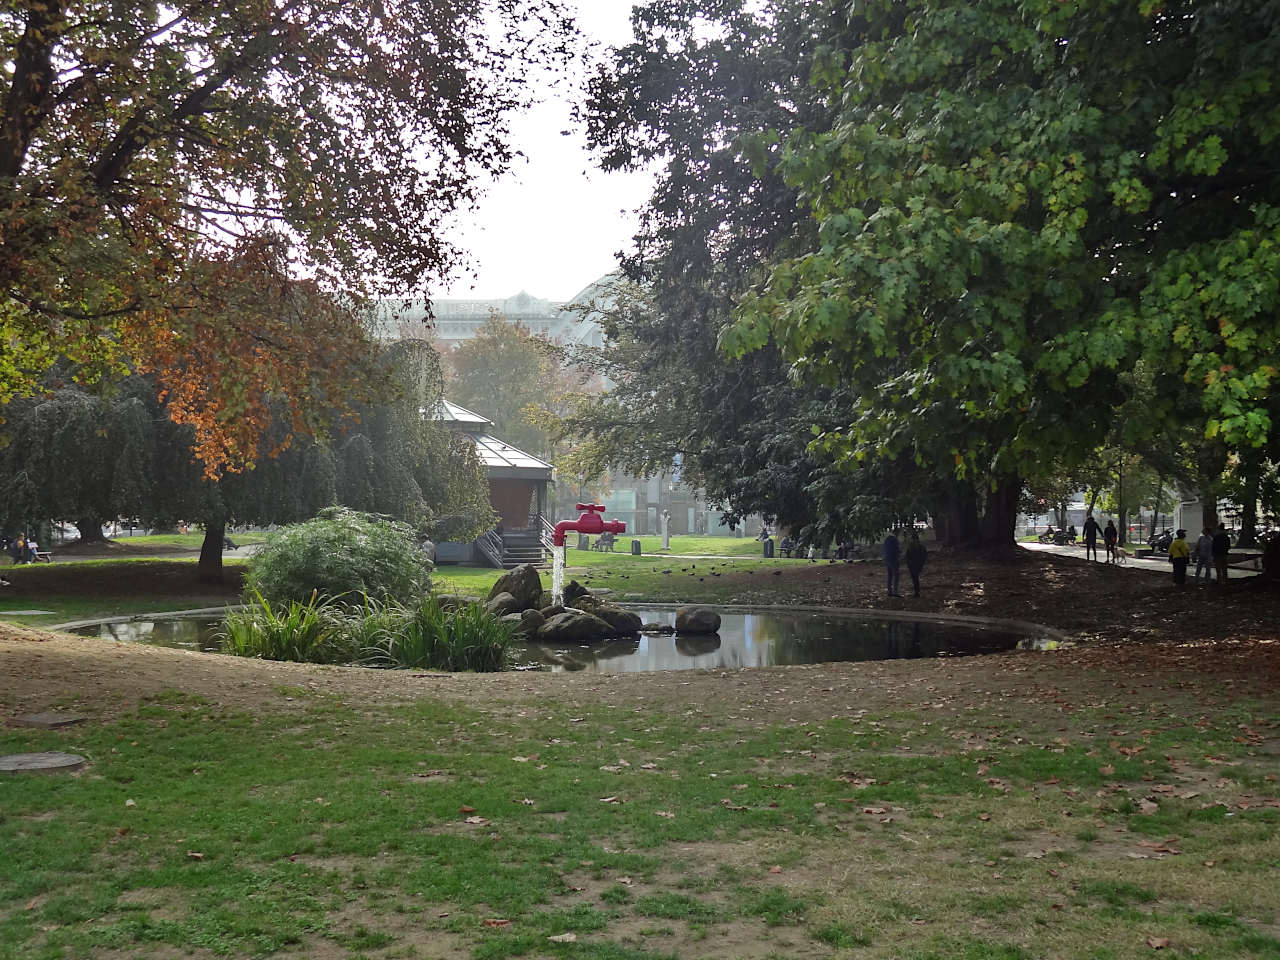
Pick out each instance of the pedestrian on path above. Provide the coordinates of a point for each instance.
(917, 555)
(1204, 555)
(891, 550)
(1180, 555)
(1111, 537)
(1221, 550)
(1091, 530)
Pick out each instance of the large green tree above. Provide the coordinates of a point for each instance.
(145, 147)
(1015, 200)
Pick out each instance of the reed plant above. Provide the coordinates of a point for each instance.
(314, 631)
(433, 638)
(376, 633)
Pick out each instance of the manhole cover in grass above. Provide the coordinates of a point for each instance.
(41, 763)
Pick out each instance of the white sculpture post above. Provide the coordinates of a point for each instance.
(666, 529)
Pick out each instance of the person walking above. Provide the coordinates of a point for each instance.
(1204, 555)
(891, 549)
(1111, 538)
(917, 555)
(1221, 549)
(1091, 530)
(1180, 556)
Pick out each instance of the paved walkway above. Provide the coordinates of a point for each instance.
(1157, 564)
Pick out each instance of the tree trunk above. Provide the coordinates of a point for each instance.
(1209, 509)
(1000, 519)
(1155, 513)
(210, 566)
(958, 518)
(90, 530)
(1249, 509)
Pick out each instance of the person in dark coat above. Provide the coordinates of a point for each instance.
(1091, 530)
(1221, 550)
(916, 557)
(891, 552)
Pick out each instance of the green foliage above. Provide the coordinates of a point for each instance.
(341, 555)
(995, 240)
(310, 631)
(421, 635)
(426, 636)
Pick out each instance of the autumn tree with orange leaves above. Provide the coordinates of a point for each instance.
(170, 174)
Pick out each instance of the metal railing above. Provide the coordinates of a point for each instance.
(546, 532)
(491, 547)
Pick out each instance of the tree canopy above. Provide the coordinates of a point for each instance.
(169, 172)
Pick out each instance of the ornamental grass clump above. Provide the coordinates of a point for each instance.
(341, 556)
(433, 638)
(314, 631)
(377, 633)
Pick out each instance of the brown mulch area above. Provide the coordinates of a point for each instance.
(1094, 600)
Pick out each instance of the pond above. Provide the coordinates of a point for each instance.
(746, 639)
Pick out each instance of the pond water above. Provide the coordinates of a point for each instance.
(745, 640)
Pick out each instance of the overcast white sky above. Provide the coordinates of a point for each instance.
(553, 223)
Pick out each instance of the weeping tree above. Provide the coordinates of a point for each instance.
(79, 454)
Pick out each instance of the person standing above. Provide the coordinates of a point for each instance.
(891, 548)
(1091, 530)
(1204, 555)
(1221, 549)
(916, 557)
(1111, 537)
(1180, 556)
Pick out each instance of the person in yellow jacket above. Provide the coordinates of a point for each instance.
(1180, 554)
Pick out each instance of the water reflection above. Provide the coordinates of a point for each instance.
(777, 638)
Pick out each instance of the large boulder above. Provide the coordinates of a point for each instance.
(574, 626)
(697, 620)
(523, 583)
(502, 604)
(550, 611)
(531, 622)
(624, 622)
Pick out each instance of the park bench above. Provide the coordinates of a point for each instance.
(44, 556)
(604, 543)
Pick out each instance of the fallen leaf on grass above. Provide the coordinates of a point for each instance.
(731, 806)
(479, 821)
(193, 855)
(1157, 943)
(466, 809)
(775, 869)
(527, 802)
(494, 922)
(874, 811)
(612, 800)
(666, 814)
(532, 756)
(564, 938)
(31, 905)
(1210, 863)
(625, 881)
(1107, 770)
(1148, 806)
(984, 817)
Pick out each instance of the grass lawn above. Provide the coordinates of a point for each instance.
(111, 587)
(187, 541)
(1097, 803)
(844, 812)
(658, 579)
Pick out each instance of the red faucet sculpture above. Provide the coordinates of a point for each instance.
(591, 521)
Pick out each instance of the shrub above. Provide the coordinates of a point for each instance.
(341, 555)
